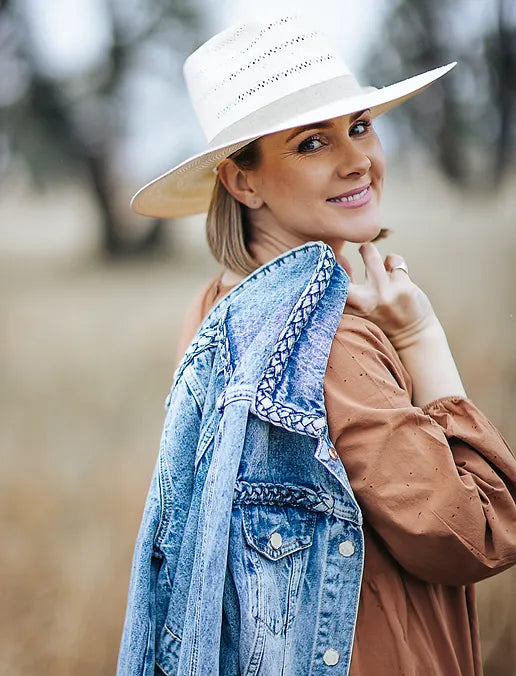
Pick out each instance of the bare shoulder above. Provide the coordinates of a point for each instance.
(195, 313)
(207, 291)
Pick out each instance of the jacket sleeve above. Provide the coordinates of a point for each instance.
(437, 484)
(136, 656)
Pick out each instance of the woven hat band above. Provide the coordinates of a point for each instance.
(250, 66)
(258, 122)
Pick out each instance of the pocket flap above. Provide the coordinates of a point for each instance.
(167, 653)
(276, 531)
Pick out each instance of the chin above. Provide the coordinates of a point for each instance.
(362, 229)
(362, 235)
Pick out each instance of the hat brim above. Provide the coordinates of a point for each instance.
(186, 188)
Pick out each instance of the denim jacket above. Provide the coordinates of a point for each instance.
(250, 552)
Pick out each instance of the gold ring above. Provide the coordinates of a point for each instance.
(400, 266)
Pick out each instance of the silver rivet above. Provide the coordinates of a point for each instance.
(276, 540)
(346, 548)
(333, 453)
(331, 657)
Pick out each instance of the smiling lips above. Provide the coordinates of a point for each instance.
(353, 198)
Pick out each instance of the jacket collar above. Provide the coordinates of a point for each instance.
(274, 331)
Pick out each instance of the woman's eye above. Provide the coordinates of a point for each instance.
(310, 144)
(359, 128)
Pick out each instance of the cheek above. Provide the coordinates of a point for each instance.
(377, 173)
(287, 190)
(306, 183)
(378, 160)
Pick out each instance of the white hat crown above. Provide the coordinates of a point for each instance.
(250, 66)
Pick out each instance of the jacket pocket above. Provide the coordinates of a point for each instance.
(277, 538)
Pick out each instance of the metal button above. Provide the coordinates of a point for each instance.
(331, 657)
(333, 453)
(276, 540)
(346, 548)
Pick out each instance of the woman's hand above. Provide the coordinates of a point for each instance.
(390, 299)
(394, 303)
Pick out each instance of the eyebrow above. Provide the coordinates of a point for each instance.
(319, 125)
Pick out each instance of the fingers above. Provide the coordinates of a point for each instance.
(361, 299)
(375, 268)
(389, 298)
(394, 263)
(354, 291)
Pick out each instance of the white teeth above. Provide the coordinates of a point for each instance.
(351, 198)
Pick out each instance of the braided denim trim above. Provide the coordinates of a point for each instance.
(265, 408)
(287, 417)
(208, 329)
(214, 333)
(225, 352)
(200, 343)
(279, 494)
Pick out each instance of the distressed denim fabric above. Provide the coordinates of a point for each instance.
(250, 552)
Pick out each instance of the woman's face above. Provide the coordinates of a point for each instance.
(320, 182)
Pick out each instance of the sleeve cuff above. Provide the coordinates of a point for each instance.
(440, 404)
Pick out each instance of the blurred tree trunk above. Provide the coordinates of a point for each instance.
(502, 56)
(434, 52)
(71, 125)
(46, 104)
(467, 120)
(113, 241)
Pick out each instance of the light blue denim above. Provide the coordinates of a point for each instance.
(250, 552)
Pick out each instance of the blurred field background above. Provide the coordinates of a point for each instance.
(93, 297)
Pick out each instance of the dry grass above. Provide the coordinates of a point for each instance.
(87, 359)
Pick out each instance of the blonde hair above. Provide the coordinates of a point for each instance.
(227, 222)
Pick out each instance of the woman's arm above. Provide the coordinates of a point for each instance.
(394, 303)
(438, 483)
(432, 368)
(434, 478)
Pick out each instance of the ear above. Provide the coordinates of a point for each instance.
(236, 181)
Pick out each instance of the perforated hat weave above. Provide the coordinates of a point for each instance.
(257, 78)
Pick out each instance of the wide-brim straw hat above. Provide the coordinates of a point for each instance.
(257, 78)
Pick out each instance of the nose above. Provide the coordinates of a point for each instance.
(353, 161)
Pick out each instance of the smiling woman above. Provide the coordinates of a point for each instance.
(325, 493)
(322, 181)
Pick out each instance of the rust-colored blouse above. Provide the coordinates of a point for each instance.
(437, 489)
